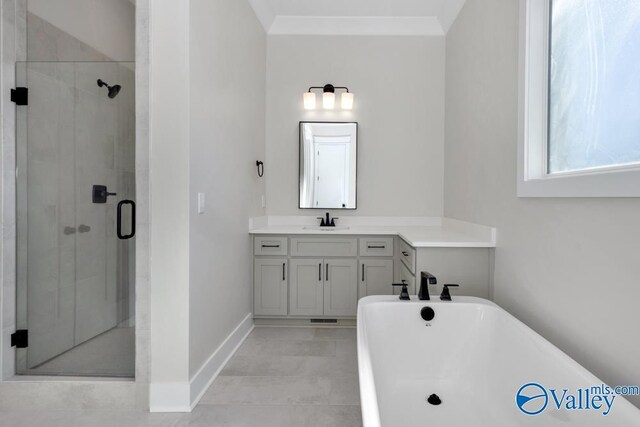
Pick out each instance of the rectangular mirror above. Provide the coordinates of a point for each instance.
(328, 162)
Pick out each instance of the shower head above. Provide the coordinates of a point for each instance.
(113, 90)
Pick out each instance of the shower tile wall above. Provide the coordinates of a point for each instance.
(46, 42)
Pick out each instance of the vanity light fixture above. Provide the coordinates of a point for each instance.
(328, 97)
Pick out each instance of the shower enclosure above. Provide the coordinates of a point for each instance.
(75, 163)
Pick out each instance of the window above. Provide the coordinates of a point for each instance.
(580, 98)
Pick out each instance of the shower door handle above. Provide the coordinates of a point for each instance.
(133, 219)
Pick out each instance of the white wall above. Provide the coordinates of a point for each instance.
(106, 25)
(398, 83)
(169, 175)
(228, 54)
(566, 267)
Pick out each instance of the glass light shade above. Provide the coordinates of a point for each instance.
(346, 99)
(328, 100)
(309, 101)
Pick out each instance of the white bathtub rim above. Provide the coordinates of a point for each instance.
(368, 395)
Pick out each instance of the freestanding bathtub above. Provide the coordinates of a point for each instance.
(485, 367)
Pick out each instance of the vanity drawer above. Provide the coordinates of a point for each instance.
(408, 278)
(270, 245)
(407, 255)
(318, 246)
(376, 246)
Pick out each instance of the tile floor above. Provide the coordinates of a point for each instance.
(280, 377)
(289, 377)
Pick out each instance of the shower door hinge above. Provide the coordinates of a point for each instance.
(20, 338)
(20, 96)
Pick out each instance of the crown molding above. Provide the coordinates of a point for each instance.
(264, 13)
(450, 11)
(356, 25)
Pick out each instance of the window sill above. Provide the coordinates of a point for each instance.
(618, 183)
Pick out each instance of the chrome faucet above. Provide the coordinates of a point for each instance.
(426, 279)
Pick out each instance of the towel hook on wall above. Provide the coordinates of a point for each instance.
(260, 166)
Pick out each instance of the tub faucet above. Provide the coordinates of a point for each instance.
(426, 279)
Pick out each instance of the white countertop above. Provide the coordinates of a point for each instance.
(418, 232)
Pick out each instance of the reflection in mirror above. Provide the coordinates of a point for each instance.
(328, 159)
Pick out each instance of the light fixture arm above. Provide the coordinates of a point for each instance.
(329, 88)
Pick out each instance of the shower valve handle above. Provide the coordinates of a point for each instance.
(100, 194)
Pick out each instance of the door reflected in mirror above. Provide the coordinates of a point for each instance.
(328, 162)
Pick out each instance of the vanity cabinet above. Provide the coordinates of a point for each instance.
(320, 278)
(376, 277)
(270, 286)
(270, 246)
(340, 287)
(469, 267)
(323, 287)
(306, 293)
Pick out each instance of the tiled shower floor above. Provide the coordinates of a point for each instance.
(108, 354)
(280, 377)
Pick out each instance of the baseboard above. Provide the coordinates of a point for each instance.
(275, 321)
(209, 371)
(184, 396)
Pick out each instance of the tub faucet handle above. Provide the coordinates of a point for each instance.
(446, 296)
(404, 293)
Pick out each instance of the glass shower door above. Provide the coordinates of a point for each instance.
(76, 192)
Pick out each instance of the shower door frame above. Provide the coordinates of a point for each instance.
(13, 49)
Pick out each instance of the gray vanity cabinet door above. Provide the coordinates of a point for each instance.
(340, 287)
(376, 277)
(270, 287)
(306, 287)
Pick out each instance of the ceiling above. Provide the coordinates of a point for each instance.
(358, 17)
